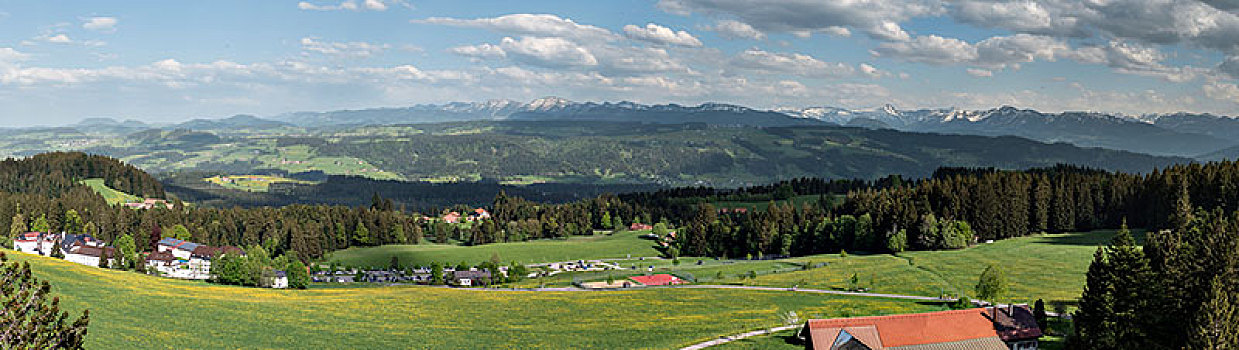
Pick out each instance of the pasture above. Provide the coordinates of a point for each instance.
(600, 246)
(112, 196)
(134, 311)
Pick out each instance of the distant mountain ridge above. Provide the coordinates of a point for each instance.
(1178, 134)
(1202, 136)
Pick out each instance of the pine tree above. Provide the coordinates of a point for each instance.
(1094, 320)
(29, 320)
(1129, 283)
(1217, 324)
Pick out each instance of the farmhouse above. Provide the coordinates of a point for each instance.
(451, 218)
(1001, 328)
(478, 214)
(90, 255)
(470, 277)
(636, 226)
(149, 203)
(280, 280)
(45, 243)
(658, 280)
(186, 260)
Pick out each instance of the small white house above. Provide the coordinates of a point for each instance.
(280, 281)
(89, 256)
(178, 248)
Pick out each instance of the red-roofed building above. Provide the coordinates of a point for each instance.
(636, 226)
(1004, 328)
(658, 280)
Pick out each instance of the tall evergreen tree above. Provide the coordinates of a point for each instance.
(1094, 320)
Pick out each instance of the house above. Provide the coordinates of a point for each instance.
(178, 248)
(478, 214)
(280, 281)
(1005, 328)
(636, 226)
(658, 280)
(149, 203)
(470, 277)
(451, 218)
(42, 243)
(90, 255)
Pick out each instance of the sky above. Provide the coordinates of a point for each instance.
(167, 61)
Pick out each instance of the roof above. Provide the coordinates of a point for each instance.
(970, 344)
(179, 244)
(281, 274)
(160, 256)
(656, 280)
(210, 252)
(472, 274)
(94, 251)
(1015, 322)
(895, 331)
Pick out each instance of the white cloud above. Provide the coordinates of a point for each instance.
(791, 63)
(58, 39)
(352, 5)
(543, 25)
(548, 52)
(994, 53)
(479, 51)
(1222, 91)
(1132, 58)
(878, 18)
(342, 49)
(976, 72)
(732, 29)
(661, 35)
(8, 54)
(101, 24)
(872, 71)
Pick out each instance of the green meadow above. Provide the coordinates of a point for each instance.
(134, 311)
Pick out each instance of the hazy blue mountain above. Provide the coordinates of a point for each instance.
(1178, 135)
(235, 122)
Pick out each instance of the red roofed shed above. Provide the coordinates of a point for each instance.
(658, 280)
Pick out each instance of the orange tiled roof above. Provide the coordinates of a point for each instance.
(917, 329)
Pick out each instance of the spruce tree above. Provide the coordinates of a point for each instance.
(1129, 285)
(1216, 326)
(32, 318)
(1094, 320)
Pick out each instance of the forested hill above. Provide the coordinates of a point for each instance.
(698, 153)
(54, 173)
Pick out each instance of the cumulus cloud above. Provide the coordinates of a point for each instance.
(1222, 91)
(994, 53)
(878, 18)
(100, 24)
(1133, 58)
(341, 49)
(872, 72)
(790, 63)
(977, 72)
(732, 29)
(661, 35)
(479, 51)
(543, 25)
(548, 52)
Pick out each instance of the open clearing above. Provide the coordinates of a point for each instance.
(133, 311)
(617, 245)
(112, 196)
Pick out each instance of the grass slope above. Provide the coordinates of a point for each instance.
(133, 311)
(617, 245)
(112, 196)
(1049, 267)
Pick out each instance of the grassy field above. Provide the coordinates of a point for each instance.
(112, 196)
(250, 183)
(1049, 267)
(133, 311)
(618, 245)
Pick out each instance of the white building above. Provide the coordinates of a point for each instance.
(90, 256)
(280, 281)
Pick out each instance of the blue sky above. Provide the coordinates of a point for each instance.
(161, 61)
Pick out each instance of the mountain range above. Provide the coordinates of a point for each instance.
(1201, 136)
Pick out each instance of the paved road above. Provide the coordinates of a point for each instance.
(728, 339)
